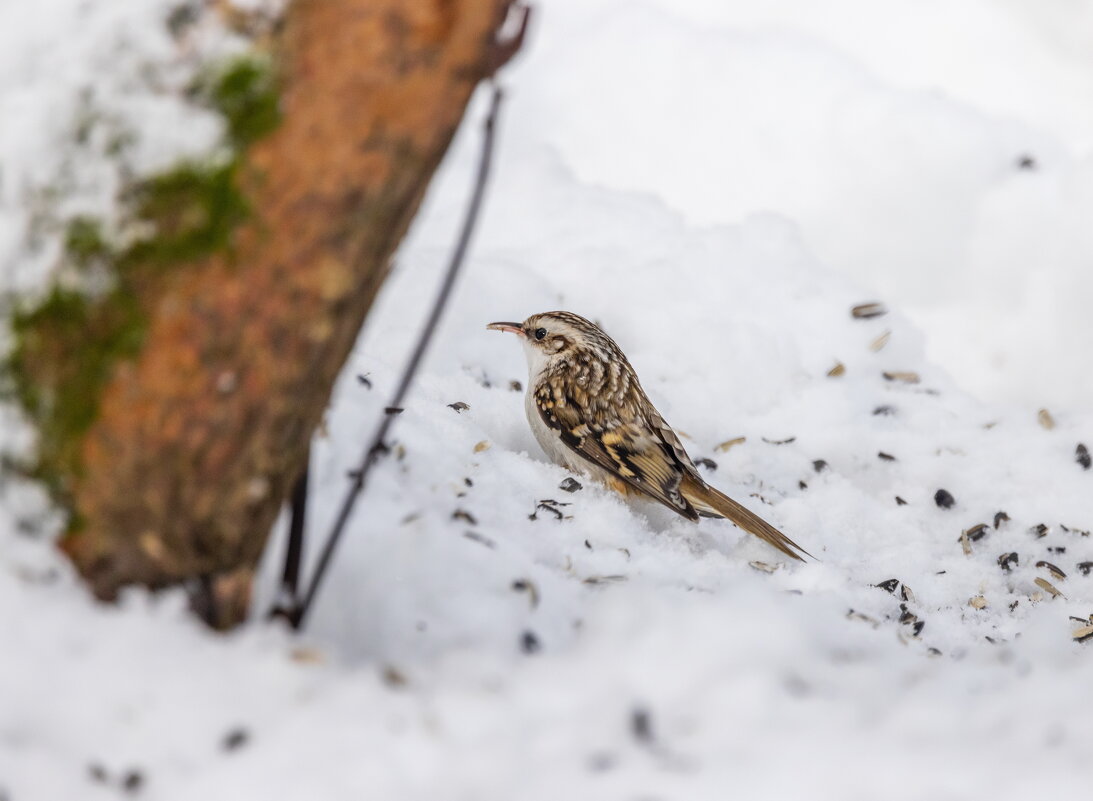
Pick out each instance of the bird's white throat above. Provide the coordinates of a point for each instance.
(537, 362)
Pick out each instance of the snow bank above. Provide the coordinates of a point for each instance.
(463, 650)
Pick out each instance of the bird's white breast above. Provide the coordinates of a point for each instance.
(547, 437)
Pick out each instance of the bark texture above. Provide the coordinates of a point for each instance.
(200, 437)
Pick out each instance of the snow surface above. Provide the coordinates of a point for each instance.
(717, 185)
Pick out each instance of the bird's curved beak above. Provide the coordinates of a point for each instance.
(513, 328)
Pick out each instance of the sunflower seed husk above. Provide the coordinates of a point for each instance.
(872, 621)
(730, 443)
(528, 586)
(977, 532)
(1044, 584)
(906, 376)
(763, 567)
(865, 311)
(1058, 574)
(1083, 634)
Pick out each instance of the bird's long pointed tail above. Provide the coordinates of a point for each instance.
(708, 501)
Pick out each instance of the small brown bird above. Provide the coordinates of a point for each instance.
(590, 414)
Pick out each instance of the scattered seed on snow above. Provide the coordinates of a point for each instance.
(886, 457)
(1007, 561)
(529, 643)
(888, 585)
(1040, 530)
(235, 739)
(97, 772)
(944, 499)
(528, 586)
(393, 677)
(482, 446)
(1047, 585)
(900, 501)
(872, 621)
(570, 485)
(459, 406)
(836, 371)
(1081, 456)
(763, 567)
(611, 579)
(819, 465)
(785, 441)
(977, 532)
(1045, 419)
(463, 514)
(1084, 634)
(474, 536)
(1058, 574)
(1000, 518)
(641, 725)
(879, 343)
(729, 443)
(978, 602)
(132, 781)
(904, 376)
(866, 311)
(549, 505)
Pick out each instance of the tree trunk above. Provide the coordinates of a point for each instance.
(200, 436)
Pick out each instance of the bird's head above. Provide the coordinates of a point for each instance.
(557, 335)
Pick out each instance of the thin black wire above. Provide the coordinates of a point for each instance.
(377, 446)
(287, 601)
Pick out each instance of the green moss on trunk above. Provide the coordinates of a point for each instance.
(66, 345)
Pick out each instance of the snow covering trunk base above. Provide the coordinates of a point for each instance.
(200, 437)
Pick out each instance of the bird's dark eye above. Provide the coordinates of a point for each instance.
(540, 333)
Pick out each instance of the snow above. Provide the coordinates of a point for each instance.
(716, 185)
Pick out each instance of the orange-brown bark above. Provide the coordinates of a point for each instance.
(200, 437)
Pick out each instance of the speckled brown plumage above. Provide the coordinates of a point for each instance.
(589, 412)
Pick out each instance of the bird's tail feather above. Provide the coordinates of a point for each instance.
(708, 501)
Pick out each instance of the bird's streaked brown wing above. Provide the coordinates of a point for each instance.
(628, 449)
